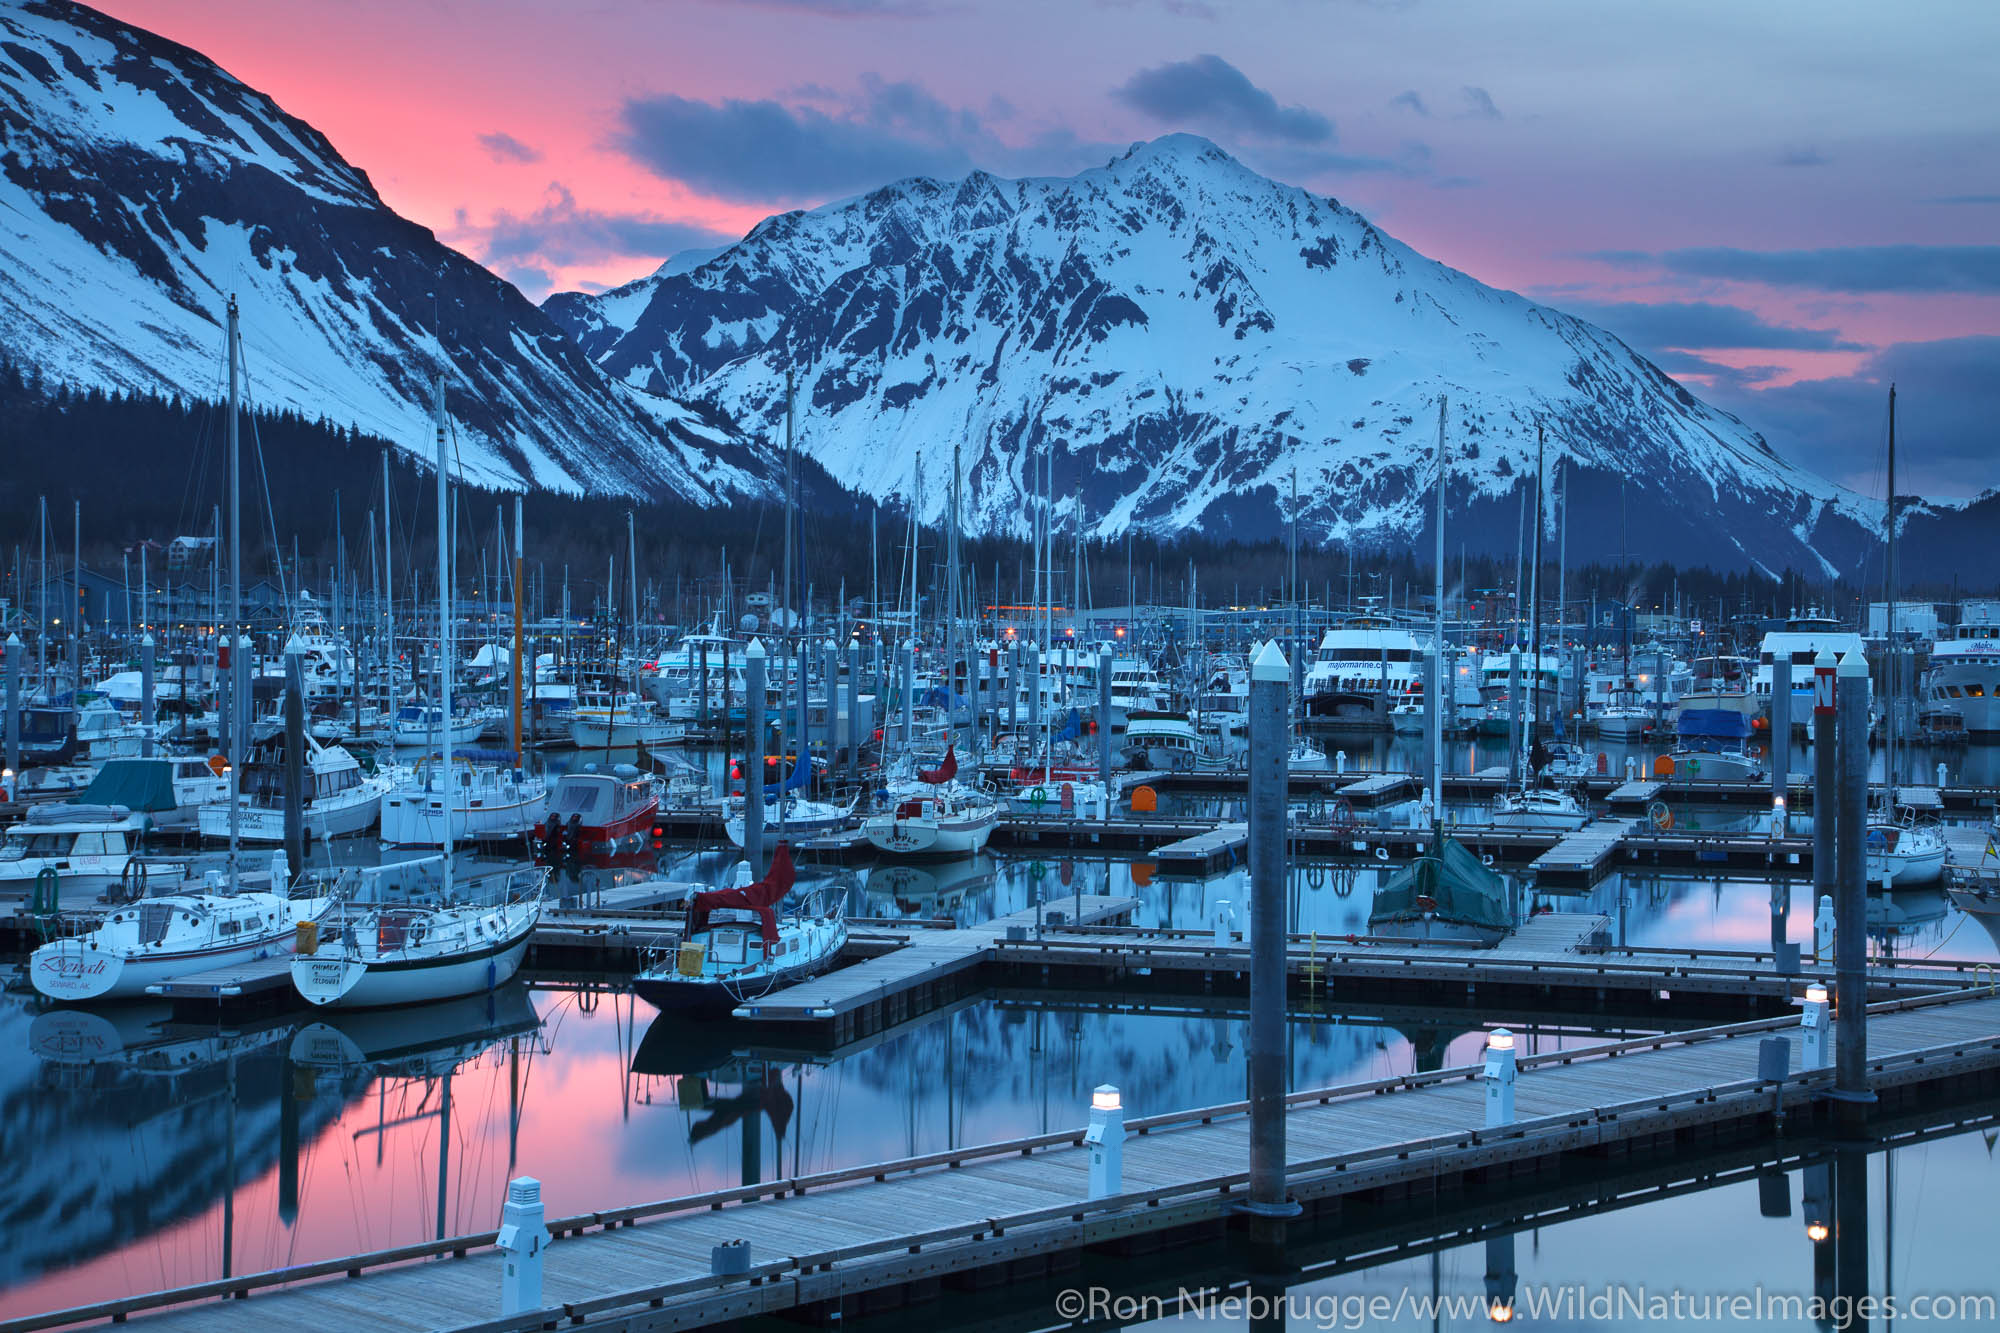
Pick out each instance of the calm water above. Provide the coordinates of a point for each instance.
(144, 1155)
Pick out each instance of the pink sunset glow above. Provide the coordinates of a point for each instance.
(1575, 156)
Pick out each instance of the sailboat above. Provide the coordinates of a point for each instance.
(379, 949)
(799, 815)
(1533, 805)
(934, 816)
(735, 947)
(1902, 851)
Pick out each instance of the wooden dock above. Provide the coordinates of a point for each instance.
(922, 970)
(895, 1229)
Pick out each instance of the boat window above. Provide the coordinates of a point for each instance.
(88, 844)
(1975, 691)
(114, 843)
(586, 799)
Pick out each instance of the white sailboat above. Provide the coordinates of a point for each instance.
(380, 949)
(735, 947)
(152, 941)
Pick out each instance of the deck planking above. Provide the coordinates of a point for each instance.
(1394, 1128)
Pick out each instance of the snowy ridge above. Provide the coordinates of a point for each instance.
(141, 185)
(1183, 334)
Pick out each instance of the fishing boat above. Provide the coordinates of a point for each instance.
(374, 950)
(88, 848)
(484, 800)
(735, 947)
(1407, 719)
(593, 814)
(620, 722)
(424, 724)
(338, 796)
(154, 940)
(169, 790)
(935, 816)
(1169, 741)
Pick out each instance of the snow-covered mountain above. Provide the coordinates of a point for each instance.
(140, 185)
(1184, 335)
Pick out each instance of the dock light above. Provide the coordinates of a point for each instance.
(522, 1238)
(1778, 816)
(1816, 1024)
(1500, 1072)
(1105, 1140)
(1816, 1231)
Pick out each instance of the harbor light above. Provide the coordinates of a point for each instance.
(1816, 1231)
(1105, 1142)
(1500, 1072)
(1816, 1026)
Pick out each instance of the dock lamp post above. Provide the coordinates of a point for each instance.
(522, 1239)
(1501, 1071)
(1105, 1140)
(1816, 1022)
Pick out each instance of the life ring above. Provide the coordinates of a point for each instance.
(1037, 799)
(1340, 812)
(1381, 853)
(1660, 815)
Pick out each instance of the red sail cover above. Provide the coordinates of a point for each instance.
(944, 772)
(760, 897)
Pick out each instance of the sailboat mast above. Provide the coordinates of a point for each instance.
(238, 714)
(519, 597)
(444, 623)
(632, 593)
(388, 588)
(1535, 605)
(1437, 639)
(1889, 570)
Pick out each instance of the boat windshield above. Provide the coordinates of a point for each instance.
(589, 800)
(20, 845)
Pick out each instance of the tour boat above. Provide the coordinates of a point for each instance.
(735, 947)
(485, 800)
(597, 814)
(154, 940)
(372, 952)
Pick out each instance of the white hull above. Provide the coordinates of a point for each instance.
(587, 734)
(1898, 870)
(354, 811)
(955, 836)
(418, 819)
(17, 878)
(330, 980)
(1621, 727)
(71, 970)
(463, 732)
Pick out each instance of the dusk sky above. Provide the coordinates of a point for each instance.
(1783, 204)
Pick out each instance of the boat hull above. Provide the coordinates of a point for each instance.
(330, 980)
(668, 991)
(929, 837)
(71, 970)
(323, 819)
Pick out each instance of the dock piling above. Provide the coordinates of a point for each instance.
(1104, 721)
(13, 713)
(1850, 943)
(1270, 730)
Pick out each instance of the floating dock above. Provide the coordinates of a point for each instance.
(893, 1231)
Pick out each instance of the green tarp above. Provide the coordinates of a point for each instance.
(144, 785)
(1464, 892)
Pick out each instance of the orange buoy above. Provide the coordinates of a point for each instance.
(1663, 767)
(1144, 800)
